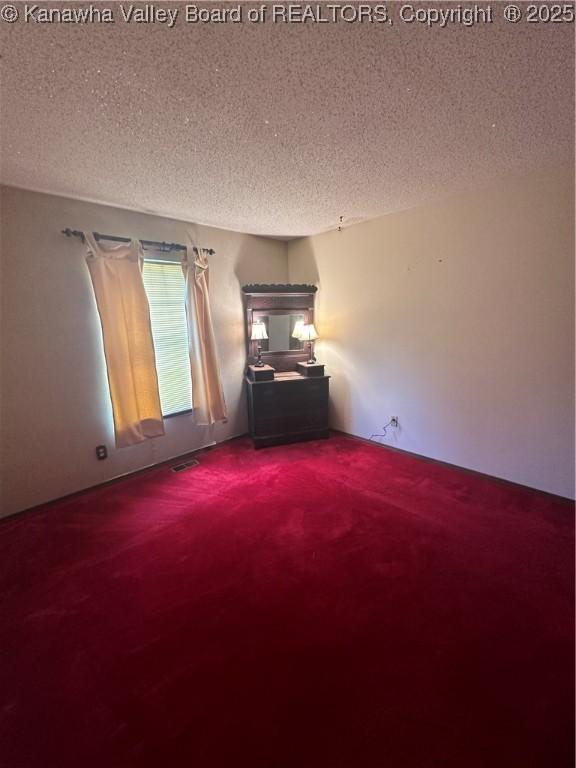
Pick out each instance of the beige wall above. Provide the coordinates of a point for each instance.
(459, 319)
(54, 399)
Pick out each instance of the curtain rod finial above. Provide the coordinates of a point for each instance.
(73, 233)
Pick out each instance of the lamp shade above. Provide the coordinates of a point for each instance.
(258, 332)
(308, 333)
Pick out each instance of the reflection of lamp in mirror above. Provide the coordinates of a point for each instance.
(258, 334)
(299, 324)
(308, 333)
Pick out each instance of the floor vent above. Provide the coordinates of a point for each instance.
(185, 465)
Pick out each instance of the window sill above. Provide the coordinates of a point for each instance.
(178, 413)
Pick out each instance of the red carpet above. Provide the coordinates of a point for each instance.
(321, 605)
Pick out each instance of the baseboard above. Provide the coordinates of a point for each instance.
(453, 466)
(118, 478)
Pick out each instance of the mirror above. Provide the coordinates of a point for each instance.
(277, 309)
(279, 329)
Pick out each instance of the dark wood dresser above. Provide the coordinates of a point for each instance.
(287, 389)
(289, 408)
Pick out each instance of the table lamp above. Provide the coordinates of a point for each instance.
(258, 334)
(308, 334)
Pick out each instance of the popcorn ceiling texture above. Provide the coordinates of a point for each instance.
(280, 129)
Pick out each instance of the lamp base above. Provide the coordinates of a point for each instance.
(311, 369)
(259, 362)
(264, 373)
(312, 359)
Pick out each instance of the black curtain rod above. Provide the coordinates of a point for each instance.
(150, 244)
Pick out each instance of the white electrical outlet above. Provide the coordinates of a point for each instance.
(394, 421)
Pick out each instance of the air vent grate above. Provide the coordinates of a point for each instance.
(185, 465)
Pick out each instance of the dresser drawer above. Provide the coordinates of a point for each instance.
(288, 408)
(290, 423)
(294, 393)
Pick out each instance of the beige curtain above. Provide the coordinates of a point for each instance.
(128, 346)
(207, 395)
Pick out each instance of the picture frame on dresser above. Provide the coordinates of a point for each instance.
(287, 396)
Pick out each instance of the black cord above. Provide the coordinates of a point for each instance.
(384, 430)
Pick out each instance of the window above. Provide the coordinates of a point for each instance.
(165, 287)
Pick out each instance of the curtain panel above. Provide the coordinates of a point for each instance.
(207, 393)
(116, 275)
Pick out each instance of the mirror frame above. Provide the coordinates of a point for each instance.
(280, 299)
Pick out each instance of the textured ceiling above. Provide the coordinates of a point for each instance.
(280, 129)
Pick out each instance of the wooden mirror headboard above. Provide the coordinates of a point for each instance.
(279, 307)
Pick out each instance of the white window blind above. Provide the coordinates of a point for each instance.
(164, 284)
